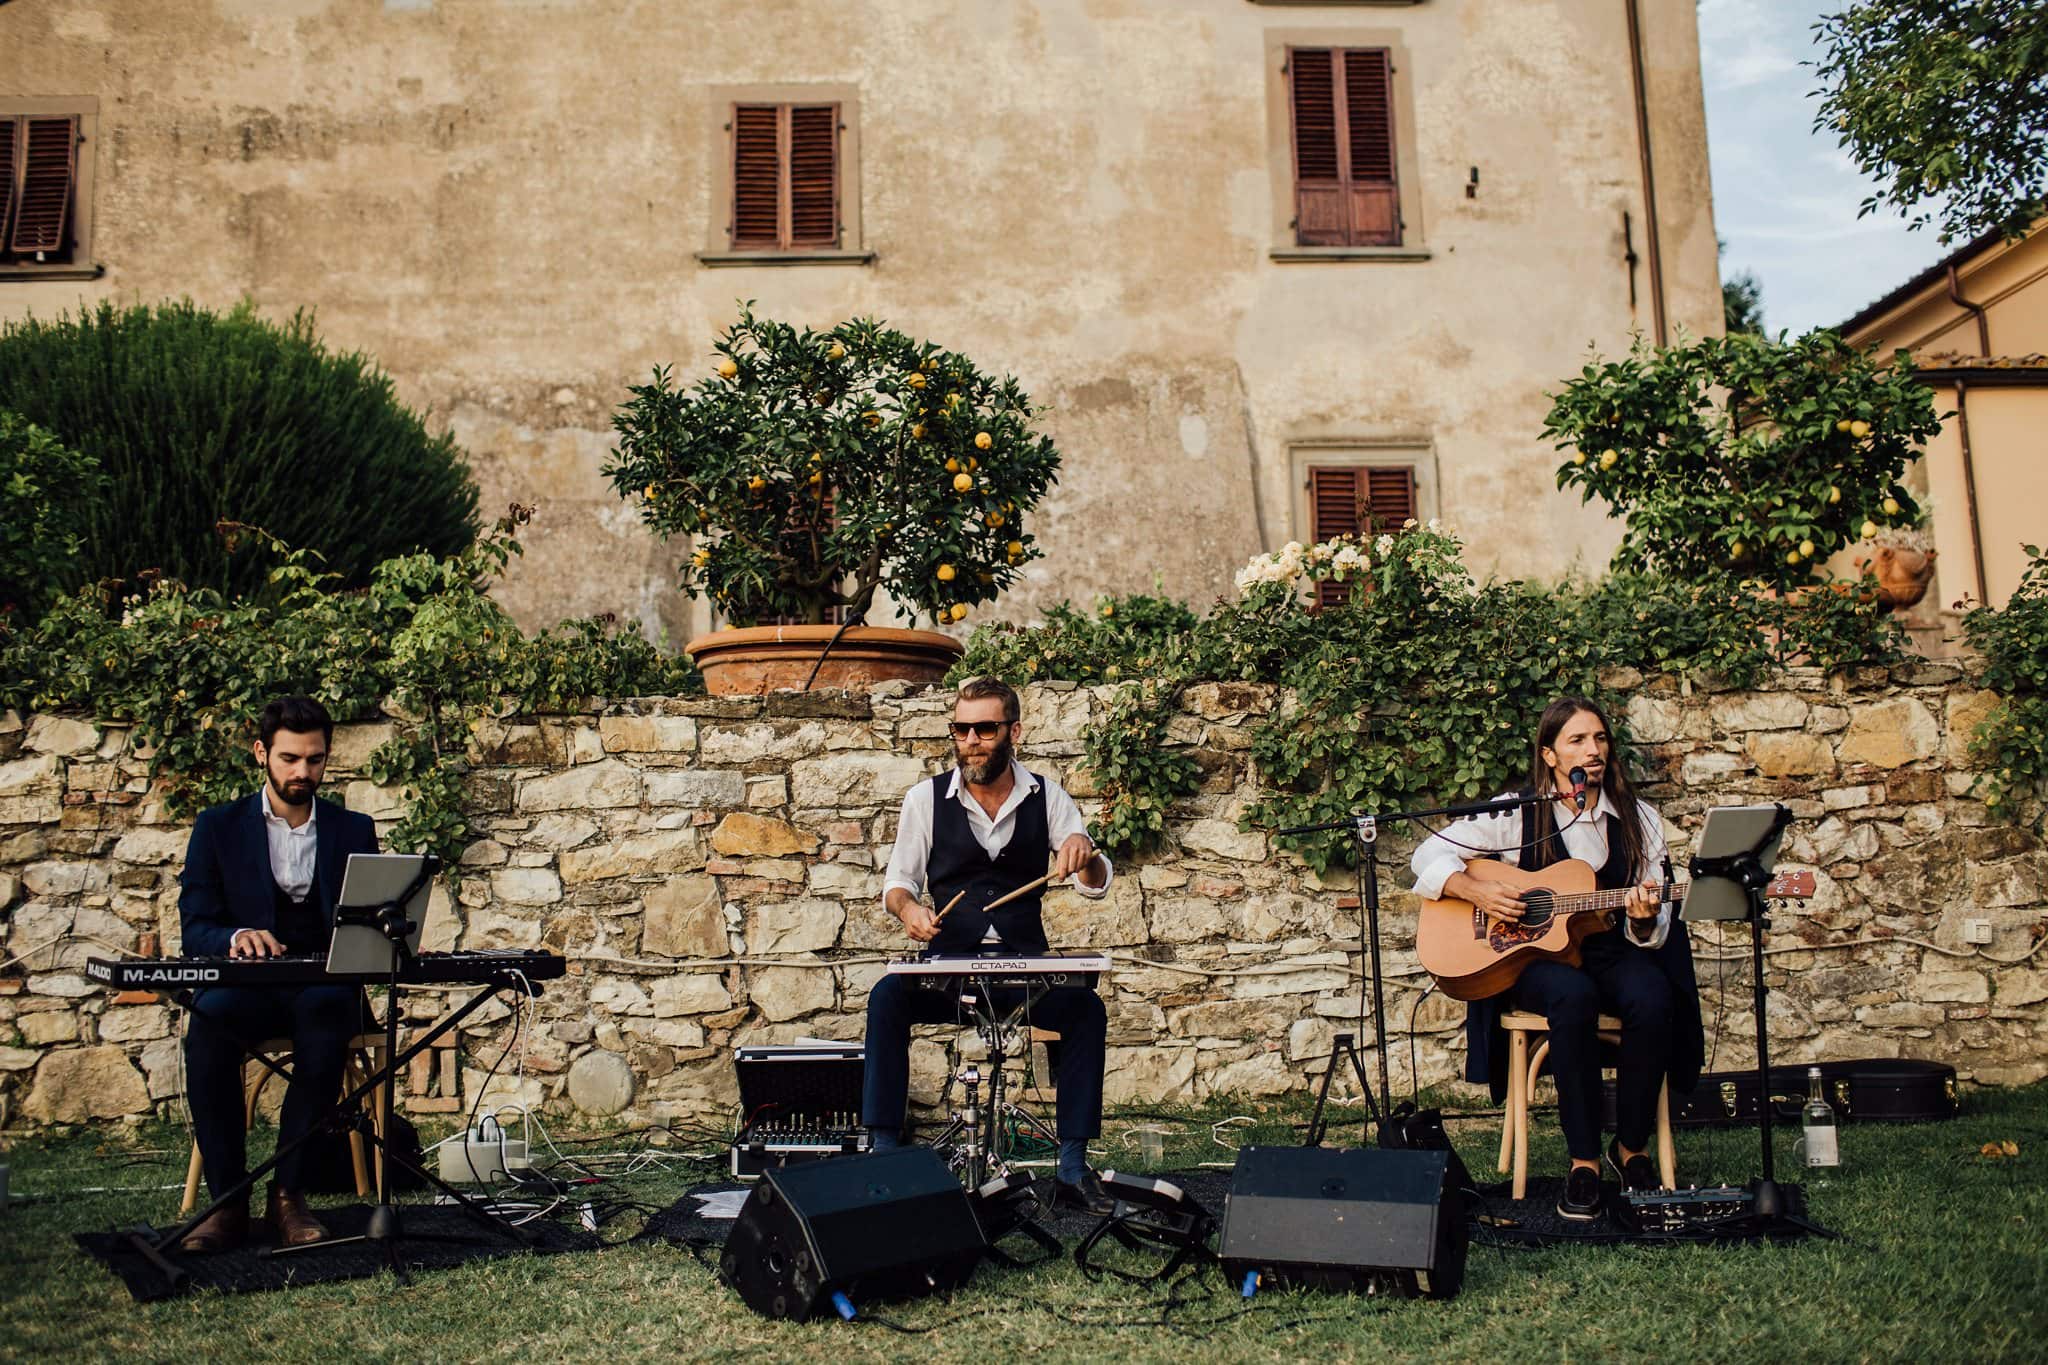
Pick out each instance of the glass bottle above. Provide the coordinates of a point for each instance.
(1817, 1124)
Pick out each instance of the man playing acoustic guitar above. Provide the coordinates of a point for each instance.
(1641, 971)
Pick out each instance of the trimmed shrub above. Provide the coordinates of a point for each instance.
(198, 417)
(46, 491)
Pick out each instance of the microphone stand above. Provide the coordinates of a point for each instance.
(1367, 829)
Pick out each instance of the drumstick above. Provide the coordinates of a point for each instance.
(1025, 889)
(950, 904)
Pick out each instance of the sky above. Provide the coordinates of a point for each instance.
(1785, 197)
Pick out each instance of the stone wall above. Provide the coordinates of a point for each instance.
(713, 870)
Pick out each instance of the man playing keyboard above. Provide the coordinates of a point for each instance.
(261, 877)
(978, 833)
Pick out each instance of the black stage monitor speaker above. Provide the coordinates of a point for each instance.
(1359, 1219)
(888, 1225)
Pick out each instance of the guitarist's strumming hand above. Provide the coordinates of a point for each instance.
(1497, 900)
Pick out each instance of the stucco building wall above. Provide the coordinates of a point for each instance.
(505, 203)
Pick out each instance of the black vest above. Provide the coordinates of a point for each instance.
(958, 863)
(1540, 851)
(300, 925)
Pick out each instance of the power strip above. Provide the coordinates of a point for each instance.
(474, 1160)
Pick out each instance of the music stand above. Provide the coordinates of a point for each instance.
(1737, 849)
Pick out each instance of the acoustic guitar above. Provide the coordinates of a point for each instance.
(1473, 955)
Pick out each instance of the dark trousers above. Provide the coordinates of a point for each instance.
(1622, 981)
(318, 1019)
(895, 1004)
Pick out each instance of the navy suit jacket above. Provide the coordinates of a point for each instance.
(227, 883)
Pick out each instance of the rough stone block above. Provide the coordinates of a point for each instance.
(685, 918)
(1264, 1074)
(600, 1083)
(1134, 1075)
(1890, 733)
(606, 785)
(760, 836)
(853, 779)
(659, 853)
(353, 745)
(1074, 922)
(1962, 988)
(1782, 753)
(526, 886)
(781, 740)
(1758, 711)
(647, 734)
(783, 993)
(689, 993)
(73, 1085)
(696, 789)
(845, 879)
(796, 927)
(1223, 839)
(61, 735)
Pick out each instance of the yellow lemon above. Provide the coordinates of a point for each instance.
(816, 478)
(1737, 550)
(973, 463)
(1859, 429)
(1607, 459)
(1792, 556)
(1891, 507)
(873, 419)
(816, 458)
(726, 369)
(757, 483)
(1109, 608)
(917, 381)
(649, 493)
(952, 465)
(982, 440)
(947, 573)
(1834, 495)
(995, 519)
(701, 558)
(888, 527)
(1843, 425)
(1578, 457)
(917, 431)
(837, 352)
(962, 482)
(1806, 548)
(1869, 529)
(959, 611)
(1015, 548)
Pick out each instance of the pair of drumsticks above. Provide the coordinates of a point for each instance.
(1023, 890)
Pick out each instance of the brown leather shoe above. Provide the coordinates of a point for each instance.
(294, 1222)
(222, 1230)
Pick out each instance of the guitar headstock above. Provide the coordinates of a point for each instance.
(1791, 886)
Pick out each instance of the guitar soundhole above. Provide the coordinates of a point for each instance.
(1537, 908)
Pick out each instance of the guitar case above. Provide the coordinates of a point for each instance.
(1872, 1089)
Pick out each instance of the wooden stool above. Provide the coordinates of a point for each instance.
(364, 1050)
(1522, 1069)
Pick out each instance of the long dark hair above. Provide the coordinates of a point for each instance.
(1614, 783)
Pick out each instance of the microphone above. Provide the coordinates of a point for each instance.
(1578, 781)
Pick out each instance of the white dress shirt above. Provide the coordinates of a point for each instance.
(914, 828)
(1499, 835)
(291, 850)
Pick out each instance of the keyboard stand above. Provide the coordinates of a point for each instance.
(978, 1136)
(383, 1229)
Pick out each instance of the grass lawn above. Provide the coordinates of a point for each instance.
(1943, 1258)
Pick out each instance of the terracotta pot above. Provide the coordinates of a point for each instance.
(751, 660)
(1902, 574)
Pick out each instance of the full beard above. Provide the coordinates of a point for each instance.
(990, 768)
(293, 793)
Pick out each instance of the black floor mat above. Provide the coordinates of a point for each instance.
(246, 1270)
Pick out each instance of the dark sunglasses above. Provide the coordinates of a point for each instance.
(983, 729)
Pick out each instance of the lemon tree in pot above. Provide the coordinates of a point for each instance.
(813, 470)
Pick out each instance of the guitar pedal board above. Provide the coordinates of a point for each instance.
(1672, 1212)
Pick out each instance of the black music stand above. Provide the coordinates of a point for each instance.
(1727, 886)
(388, 917)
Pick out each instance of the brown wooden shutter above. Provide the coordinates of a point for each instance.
(1320, 217)
(1345, 189)
(10, 132)
(49, 164)
(1389, 498)
(814, 175)
(1360, 501)
(1369, 125)
(756, 177)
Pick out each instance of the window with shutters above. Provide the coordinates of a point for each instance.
(1360, 501)
(1340, 130)
(46, 148)
(1340, 101)
(787, 189)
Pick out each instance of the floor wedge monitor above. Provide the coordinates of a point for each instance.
(830, 1236)
(1357, 1219)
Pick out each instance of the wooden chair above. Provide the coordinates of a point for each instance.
(364, 1050)
(1523, 1066)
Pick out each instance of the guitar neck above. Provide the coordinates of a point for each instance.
(1587, 901)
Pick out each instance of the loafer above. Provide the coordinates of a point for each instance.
(1085, 1194)
(1580, 1201)
(1636, 1173)
(295, 1223)
(222, 1230)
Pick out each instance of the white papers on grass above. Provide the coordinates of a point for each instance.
(721, 1203)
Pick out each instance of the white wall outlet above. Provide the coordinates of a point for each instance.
(1976, 931)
